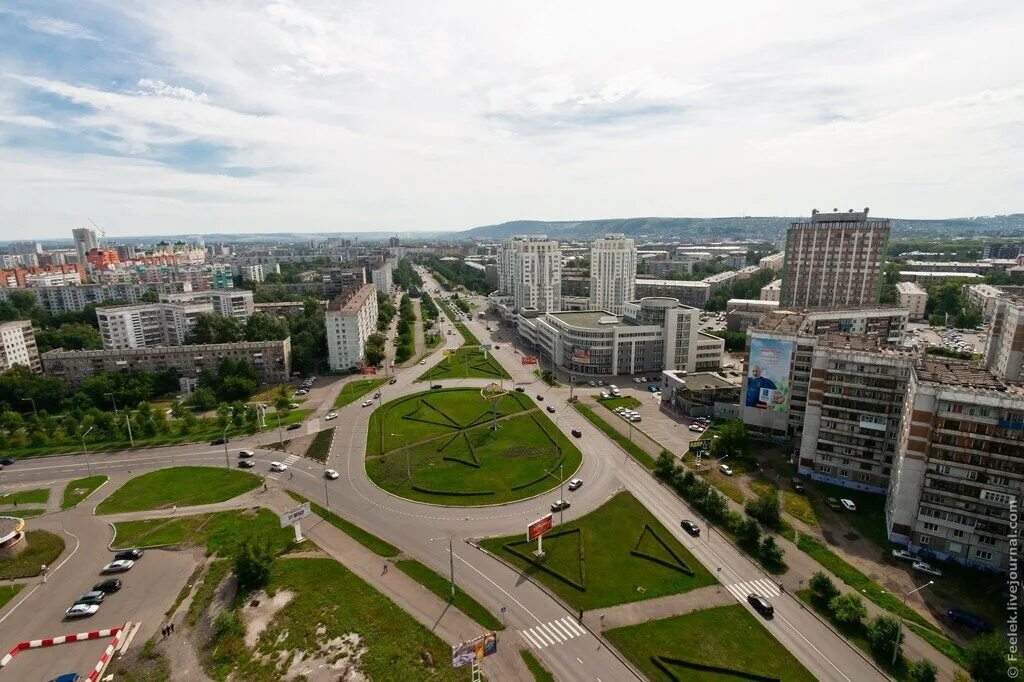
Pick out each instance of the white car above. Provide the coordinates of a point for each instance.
(423, 361)
(331, 474)
(575, 483)
(367, 403)
(725, 469)
(848, 505)
(277, 466)
(330, 416)
(696, 428)
(925, 567)
(119, 566)
(81, 610)
(904, 554)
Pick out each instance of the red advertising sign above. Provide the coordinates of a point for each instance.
(538, 527)
(529, 359)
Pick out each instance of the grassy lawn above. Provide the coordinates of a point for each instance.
(441, 586)
(8, 593)
(444, 439)
(363, 537)
(635, 451)
(26, 513)
(43, 548)
(547, 377)
(614, 403)
(79, 489)
(868, 521)
(178, 486)
(219, 532)
(799, 507)
(469, 338)
(537, 669)
(38, 496)
(331, 603)
(468, 361)
(726, 637)
(593, 561)
(354, 390)
(320, 448)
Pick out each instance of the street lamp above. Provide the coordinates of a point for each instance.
(451, 564)
(899, 631)
(224, 439)
(88, 464)
(33, 401)
(561, 491)
(408, 462)
(126, 419)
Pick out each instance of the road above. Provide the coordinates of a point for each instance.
(422, 531)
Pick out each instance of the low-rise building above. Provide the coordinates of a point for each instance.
(740, 313)
(696, 294)
(983, 296)
(18, 345)
(913, 298)
(771, 291)
(773, 262)
(698, 394)
(927, 277)
(350, 320)
(977, 267)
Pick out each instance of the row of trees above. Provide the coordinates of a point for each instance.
(405, 343)
(405, 276)
(454, 273)
(386, 311)
(71, 331)
(745, 288)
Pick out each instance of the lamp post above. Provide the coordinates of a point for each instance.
(561, 491)
(408, 462)
(224, 438)
(88, 464)
(127, 421)
(34, 411)
(899, 631)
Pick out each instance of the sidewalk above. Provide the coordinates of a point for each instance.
(659, 608)
(243, 501)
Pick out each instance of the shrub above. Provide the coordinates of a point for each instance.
(749, 532)
(848, 609)
(823, 587)
(771, 553)
(767, 510)
(882, 634)
(986, 658)
(253, 562)
(922, 671)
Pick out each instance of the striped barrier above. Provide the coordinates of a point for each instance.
(53, 641)
(105, 658)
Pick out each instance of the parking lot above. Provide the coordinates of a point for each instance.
(972, 341)
(671, 432)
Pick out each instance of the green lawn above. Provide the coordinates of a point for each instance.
(37, 496)
(363, 537)
(468, 361)
(441, 586)
(454, 456)
(868, 521)
(354, 390)
(178, 486)
(26, 513)
(9, 592)
(537, 669)
(79, 489)
(637, 452)
(320, 448)
(613, 403)
(331, 603)
(469, 338)
(219, 532)
(592, 562)
(43, 548)
(726, 638)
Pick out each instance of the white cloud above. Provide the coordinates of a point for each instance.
(150, 86)
(58, 27)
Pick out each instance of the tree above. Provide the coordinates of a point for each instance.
(264, 327)
(210, 328)
(234, 388)
(203, 399)
(882, 634)
(71, 336)
(665, 466)
(731, 440)
(749, 532)
(770, 552)
(848, 608)
(252, 563)
(767, 509)
(922, 671)
(986, 658)
(282, 401)
(714, 504)
(822, 587)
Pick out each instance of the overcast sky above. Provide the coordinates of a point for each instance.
(189, 116)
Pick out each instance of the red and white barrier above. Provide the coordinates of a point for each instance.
(107, 653)
(62, 639)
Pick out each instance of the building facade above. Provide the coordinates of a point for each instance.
(18, 346)
(149, 324)
(695, 294)
(612, 273)
(1004, 349)
(85, 241)
(350, 322)
(530, 272)
(913, 298)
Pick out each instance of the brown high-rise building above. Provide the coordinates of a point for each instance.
(834, 259)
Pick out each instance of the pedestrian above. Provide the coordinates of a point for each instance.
(264, 486)
(602, 620)
(163, 631)
(385, 567)
(581, 615)
(172, 628)
(174, 509)
(43, 570)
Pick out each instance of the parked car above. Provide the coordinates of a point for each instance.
(653, 388)
(301, 391)
(925, 567)
(520, 389)
(392, 382)
(278, 466)
(330, 474)
(833, 504)
(220, 441)
(904, 555)
(81, 610)
(6, 461)
(246, 464)
(969, 619)
(367, 403)
(67, 677)
(635, 418)
(848, 504)
(591, 383)
(330, 416)
(798, 485)
(725, 469)
(109, 586)
(294, 406)
(551, 409)
(93, 597)
(559, 505)
(119, 566)
(761, 605)
(690, 527)
(292, 427)
(423, 361)
(575, 484)
(134, 554)
(436, 386)
(244, 454)
(576, 433)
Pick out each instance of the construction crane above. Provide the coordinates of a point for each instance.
(103, 233)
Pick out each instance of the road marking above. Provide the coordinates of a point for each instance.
(485, 577)
(54, 570)
(765, 588)
(552, 633)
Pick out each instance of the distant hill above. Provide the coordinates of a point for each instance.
(767, 227)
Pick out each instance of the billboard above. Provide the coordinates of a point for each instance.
(474, 650)
(529, 359)
(294, 515)
(768, 374)
(581, 355)
(538, 527)
(369, 370)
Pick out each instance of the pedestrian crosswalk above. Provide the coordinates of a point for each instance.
(763, 587)
(287, 461)
(552, 633)
(290, 459)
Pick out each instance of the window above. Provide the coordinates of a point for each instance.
(924, 540)
(983, 554)
(931, 527)
(982, 540)
(958, 534)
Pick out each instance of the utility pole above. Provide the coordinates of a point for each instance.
(451, 565)
(127, 419)
(88, 464)
(227, 462)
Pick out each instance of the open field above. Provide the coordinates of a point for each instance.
(465, 362)
(178, 486)
(38, 496)
(219, 532)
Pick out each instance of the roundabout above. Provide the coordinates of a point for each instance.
(467, 447)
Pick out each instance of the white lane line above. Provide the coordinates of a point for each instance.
(519, 603)
(816, 649)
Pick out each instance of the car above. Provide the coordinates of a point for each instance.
(635, 418)
(292, 427)
(246, 464)
(551, 409)
(392, 382)
(93, 597)
(576, 433)
(245, 454)
(133, 553)
(761, 605)
(423, 361)
(925, 567)
(7, 461)
(330, 474)
(119, 566)
(848, 504)
(653, 389)
(434, 387)
(330, 416)
(220, 441)
(81, 610)
(798, 485)
(376, 395)
(591, 383)
(833, 504)
(575, 484)
(520, 389)
(904, 555)
(696, 428)
(293, 406)
(367, 403)
(109, 586)
(725, 469)
(540, 397)
(690, 527)
(301, 391)
(969, 619)
(636, 380)
(559, 505)
(67, 677)
(278, 466)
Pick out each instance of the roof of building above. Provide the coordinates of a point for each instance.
(353, 302)
(909, 288)
(672, 283)
(863, 342)
(951, 372)
(782, 321)
(700, 381)
(598, 319)
(942, 273)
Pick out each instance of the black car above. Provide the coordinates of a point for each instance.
(94, 597)
(551, 409)
(393, 381)
(376, 395)
(246, 464)
(559, 505)
(691, 527)
(798, 485)
(761, 605)
(220, 441)
(577, 433)
(134, 554)
(6, 461)
(520, 389)
(108, 586)
(435, 386)
(292, 427)
(540, 397)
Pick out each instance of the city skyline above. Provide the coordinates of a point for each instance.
(275, 118)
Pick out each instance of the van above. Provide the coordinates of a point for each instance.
(612, 387)
(604, 396)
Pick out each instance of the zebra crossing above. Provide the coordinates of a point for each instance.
(765, 588)
(287, 461)
(552, 633)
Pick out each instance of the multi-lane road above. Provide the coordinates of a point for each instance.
(422, 530)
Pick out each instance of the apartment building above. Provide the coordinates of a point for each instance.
(251, 273)
(236, 303)
(772, 291)
(741, 313)
(272, 359)
(977, 267)
(612, 273)
(18, 345)
(983, 296)
(149, 324)
(350, 322)
(530, 272)
(913, 298)
(65, 299)
(719, 281)
(1004, 349)
(696, 294)
(834, 259)
(85, 241)
(928, 277)
(682, 262)
(53, 279)
(382, 277)
(775, 261)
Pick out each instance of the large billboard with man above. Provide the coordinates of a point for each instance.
(768, 374)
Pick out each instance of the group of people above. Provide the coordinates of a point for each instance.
(168, 630)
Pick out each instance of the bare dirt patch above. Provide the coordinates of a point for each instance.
(259, 611)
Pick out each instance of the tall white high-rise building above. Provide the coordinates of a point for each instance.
(349, 323)
(85, 240)
(530, 272)
(612, 273)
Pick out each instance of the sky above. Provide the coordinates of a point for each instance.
(199, 116)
